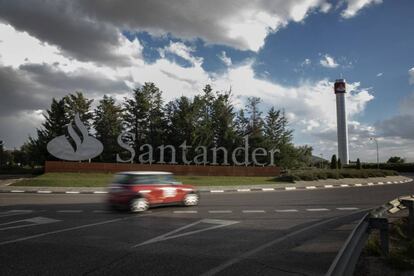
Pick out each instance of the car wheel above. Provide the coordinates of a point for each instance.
(191, 199)
(138, 205)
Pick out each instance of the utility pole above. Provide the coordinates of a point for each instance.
(1, 153)
(376, 142)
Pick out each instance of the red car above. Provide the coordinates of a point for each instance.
(141, 190)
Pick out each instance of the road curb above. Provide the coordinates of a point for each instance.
(20, 190)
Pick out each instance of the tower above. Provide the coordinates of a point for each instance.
(341, 120)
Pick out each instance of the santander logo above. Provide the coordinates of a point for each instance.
(85, 147)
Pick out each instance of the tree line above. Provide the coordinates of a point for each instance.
(208, 119)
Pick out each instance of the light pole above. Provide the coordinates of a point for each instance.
(376, 142)
(1, 153)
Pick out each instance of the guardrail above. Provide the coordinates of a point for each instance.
(347, 258)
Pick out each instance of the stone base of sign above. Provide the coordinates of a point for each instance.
(85, 167)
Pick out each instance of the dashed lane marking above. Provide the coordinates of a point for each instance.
(328, 186)
(254, 211)
(217, 191)
(100, 192)
(358, 185)
(243, 190)
(71, 192)
(286, 210)
(267, 189)
(44, 192)
(220, 211)
(17, 191)
(69, 211)
(344, 185)
(185, 212)
(310, 187)
(317, 210)
(347, 208)
(290, 188)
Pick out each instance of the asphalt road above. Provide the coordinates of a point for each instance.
(256, 233)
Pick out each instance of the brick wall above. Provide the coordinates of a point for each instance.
(61, 166)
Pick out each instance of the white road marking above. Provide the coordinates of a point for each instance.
(243, 190)
(380, 183)
(256, 250)
(70, 229)
(69, 211)
(395, 182)
(328, 186)
(32, 222)
(358, 185)
(254, 211)
(310, 187)
(216, 191)
(317, 210)
(100, 192)
(370, 184)
(347, 208)
(220, 211)
(267, 189)
(290, 188)
(44, 192)
(15, 213)
(167, 236)
(185, 212)
(389, 182)
(72, 192)
(286, 210)
(344, 185)
(17, 191)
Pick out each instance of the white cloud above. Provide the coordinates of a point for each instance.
(183, 51)
(354, 6)
(225, 59)
(380, 74)
(411, 74)
(306, 62)
(328, 61)
(241, 24)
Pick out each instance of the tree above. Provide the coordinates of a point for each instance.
(223, 122)
(396, 160)
(339, 164)
(203, 108)
(55, 124)
(334, 162)
(78, 103)
(108, 125)
(358, 164)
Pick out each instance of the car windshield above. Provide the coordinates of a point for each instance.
(133, 179)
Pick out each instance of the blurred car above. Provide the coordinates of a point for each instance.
(140, 190)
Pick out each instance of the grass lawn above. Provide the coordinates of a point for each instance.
(102, 180)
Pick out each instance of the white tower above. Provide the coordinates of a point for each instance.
(341, 119)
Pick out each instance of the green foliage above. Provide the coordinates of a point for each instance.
(339, 164)
(108, 125)
(396, 160)
(334, 162)
(209, 119)
(317, 174)
(358, 164)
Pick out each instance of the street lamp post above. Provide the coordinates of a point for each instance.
(1, 153)
(376, 142)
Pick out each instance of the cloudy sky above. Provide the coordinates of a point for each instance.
(287, 52)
